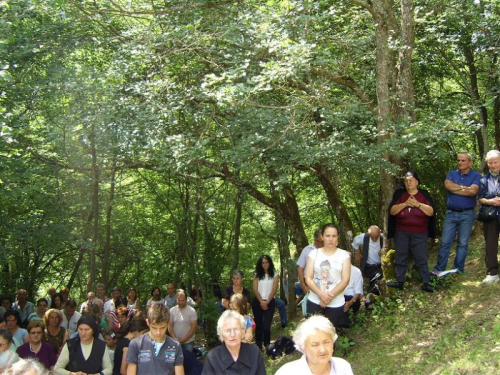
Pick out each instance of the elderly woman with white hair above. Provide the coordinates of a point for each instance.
(315, 338)
(233, 356)
(489, 195)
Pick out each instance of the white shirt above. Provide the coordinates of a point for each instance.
(339, 366)
(302, 262)
(265, 286)
(328, 274)
(373, 248)
(355, 283)
(71, 325)
(109, 306)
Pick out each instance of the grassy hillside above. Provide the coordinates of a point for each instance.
(455, 330)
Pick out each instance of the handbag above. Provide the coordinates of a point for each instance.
(486, 213)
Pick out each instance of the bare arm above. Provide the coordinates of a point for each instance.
(397, 208)
(309, 275)
(124, 365)
(300, 272)
(248, 335)
(132, 369)
(275, 288)
(171, 329)
(466, 191)
(256, 289)
(179, 370)
(346, 276)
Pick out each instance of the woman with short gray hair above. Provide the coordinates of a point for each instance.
(235, 288)
(315, 338)
(489, 195)
(233, 356)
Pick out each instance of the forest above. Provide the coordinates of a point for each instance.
(143, 142)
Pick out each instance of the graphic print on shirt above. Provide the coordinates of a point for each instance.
(144, 356)
(324, 280)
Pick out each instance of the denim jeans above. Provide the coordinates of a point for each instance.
(280, 305)
(455, 222)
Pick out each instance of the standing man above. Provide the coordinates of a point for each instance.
(101, 292)
(23, 306)
(462, 185)
(183, 322)
(70, 317)
(301, 288)
(367, 247)
(110, 304)
(85, 306)
(170, 298)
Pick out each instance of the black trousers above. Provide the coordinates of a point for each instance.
(371, 274)
(336, 315)
(491, 230)
(263, 320)
(417, 244)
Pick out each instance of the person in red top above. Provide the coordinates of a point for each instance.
(411, 222)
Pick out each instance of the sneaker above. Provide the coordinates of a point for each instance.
(491, 279)
(427, 288)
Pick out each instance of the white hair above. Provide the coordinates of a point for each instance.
(25, 366)
(226, 315)
(492, 154)
(310, 327)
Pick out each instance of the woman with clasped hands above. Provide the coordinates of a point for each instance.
(233, 357)
(412, 220)
(315, 338)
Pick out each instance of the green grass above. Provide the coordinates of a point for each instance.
(455, 330)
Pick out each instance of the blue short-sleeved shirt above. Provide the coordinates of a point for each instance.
(459, 202)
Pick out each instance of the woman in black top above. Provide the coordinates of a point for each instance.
(131, 329)
(237, 287)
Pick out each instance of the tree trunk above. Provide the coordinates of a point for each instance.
(284, 248)
(237, 228)
(95, 210)
(346, 228)
(107, 243)
(481, 133)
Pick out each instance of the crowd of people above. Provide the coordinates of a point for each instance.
(122, 335)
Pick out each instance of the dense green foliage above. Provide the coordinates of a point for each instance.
(132, 133)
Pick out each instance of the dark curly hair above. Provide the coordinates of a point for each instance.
(259, 271)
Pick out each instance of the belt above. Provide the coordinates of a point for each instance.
(373, 265)
(460, 209)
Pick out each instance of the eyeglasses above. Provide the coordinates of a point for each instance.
(232, 330)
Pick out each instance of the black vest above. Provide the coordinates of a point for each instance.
(366, 246)
(77, 362)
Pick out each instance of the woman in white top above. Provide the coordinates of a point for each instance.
(315, 338)
(327, 274)
(133, 301)
(265, 285)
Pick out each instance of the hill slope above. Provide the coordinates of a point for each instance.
(455, 330)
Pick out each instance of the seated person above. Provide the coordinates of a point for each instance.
(354, 290)
(155, 352)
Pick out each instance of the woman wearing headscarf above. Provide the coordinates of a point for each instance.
(85, 353)
(412, 220)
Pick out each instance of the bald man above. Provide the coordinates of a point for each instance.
(367, 247)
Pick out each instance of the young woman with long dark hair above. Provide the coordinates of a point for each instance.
(265, 285)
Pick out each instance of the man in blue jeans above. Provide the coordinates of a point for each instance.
(462, 185)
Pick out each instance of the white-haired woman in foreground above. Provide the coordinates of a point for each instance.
(233, 356)
(315, 338)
